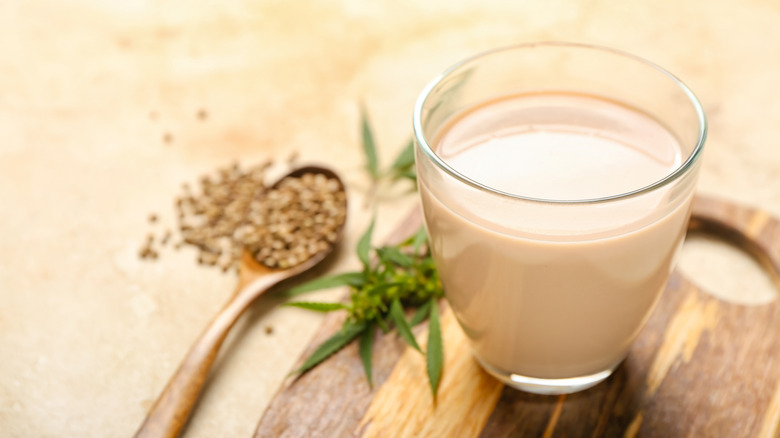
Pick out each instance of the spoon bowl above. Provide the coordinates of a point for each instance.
(174, 405)
(250, 269)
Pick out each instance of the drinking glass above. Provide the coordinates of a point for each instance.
(551, 292)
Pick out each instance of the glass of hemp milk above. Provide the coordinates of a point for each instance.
(556, 182)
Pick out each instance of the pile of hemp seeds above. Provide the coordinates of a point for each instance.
(234, 209)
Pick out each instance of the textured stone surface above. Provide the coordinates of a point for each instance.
(89, 334)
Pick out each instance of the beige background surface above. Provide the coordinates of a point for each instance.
(89, 334)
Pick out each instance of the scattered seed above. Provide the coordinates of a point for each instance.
(168, 137)
(202, 114)
(147, 252)
(269, 330)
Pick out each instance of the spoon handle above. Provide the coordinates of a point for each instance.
(172, 408)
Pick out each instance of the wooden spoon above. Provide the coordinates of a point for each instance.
(172, 409)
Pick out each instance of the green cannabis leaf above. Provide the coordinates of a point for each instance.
(317, 307)
(397, 313)
(333, 344)
(435, 354)
(421, 313)
(394, 255)
(394, 278)
(364, 246)
(366, 347)
(331, 281)
(372, 163)
(383, 325)
(402, 167)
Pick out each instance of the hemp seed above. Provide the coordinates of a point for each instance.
(281, 227)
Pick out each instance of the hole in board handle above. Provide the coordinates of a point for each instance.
(726, 270)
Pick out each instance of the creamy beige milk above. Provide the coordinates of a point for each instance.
(554, 291)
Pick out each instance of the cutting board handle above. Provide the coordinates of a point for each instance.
(753, 230)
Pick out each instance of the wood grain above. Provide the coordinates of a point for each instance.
(465, 391)
(700, 367)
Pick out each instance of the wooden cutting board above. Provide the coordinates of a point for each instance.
(701, 367)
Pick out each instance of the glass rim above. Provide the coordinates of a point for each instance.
(683, 169)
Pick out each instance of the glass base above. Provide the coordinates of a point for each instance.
(547, 386)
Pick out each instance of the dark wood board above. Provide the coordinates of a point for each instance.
(700, 367)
